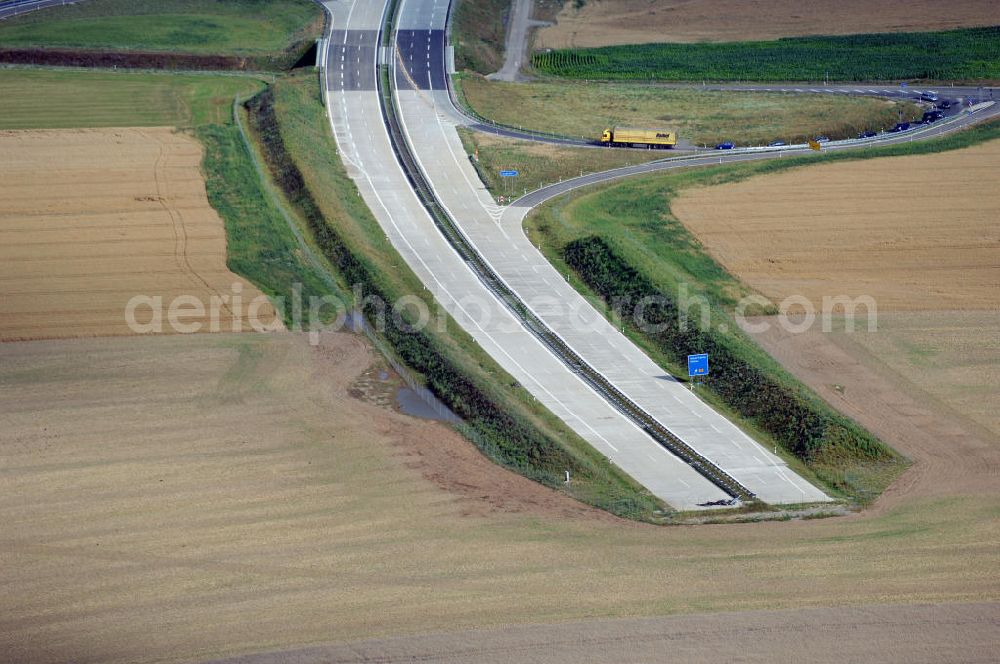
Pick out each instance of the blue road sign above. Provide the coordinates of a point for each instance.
(698, 365)
(508, 174)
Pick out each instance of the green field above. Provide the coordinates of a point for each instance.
(47, 99)
(953, 55)
(239, 27)
(582, 109)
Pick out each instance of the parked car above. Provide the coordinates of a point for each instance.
(867, 134)
(725, 146)
(776, 144)
(901, 126)
(928, 96)
(945, 105)
(822, 139)
(931, 116)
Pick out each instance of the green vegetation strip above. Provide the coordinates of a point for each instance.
(954, 55)
(499, 415)
(271, 34)
(46, 99)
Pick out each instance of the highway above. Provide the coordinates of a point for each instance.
(429, 118)
(354, 111)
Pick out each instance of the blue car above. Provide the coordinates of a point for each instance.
(867, 134)
(902, 126)
(725, 146)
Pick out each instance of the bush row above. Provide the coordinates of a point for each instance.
(796, 420)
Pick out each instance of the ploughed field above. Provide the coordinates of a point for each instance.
(606, 23)
(182, 498)
(90, 218)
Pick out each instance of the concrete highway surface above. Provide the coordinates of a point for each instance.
(428, 118)
(354, 109)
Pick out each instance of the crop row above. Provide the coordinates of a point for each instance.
(961, 55)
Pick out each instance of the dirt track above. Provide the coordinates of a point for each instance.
(608, 22)
(90, 218)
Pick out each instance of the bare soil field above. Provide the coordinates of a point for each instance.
(923, 633)
(916, 233)
(90, 218)
(611, 22)
(941, 416)
(919, 235)
(181, 498)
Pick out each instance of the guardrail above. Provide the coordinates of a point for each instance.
(456, 238)
(10, 8)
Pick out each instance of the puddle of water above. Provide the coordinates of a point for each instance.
(423, 404)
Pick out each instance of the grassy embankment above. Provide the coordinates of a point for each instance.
(582, 109)
(621, 241)
(971, 54)
(478, 34)
(540, 164)
(271, 34)
(500, 416)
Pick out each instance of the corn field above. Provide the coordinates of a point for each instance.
(954, 55)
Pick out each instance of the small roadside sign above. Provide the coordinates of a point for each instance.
(815, 145)
(698, 365)
(508, 174)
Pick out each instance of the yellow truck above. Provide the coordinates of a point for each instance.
(629, 137)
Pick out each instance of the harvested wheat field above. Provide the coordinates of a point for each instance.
(189, 497)
(611, 22)
(90, 218)
(916, 233)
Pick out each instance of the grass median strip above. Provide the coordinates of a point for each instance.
(582, 109)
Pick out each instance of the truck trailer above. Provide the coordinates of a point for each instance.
(630, 137)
